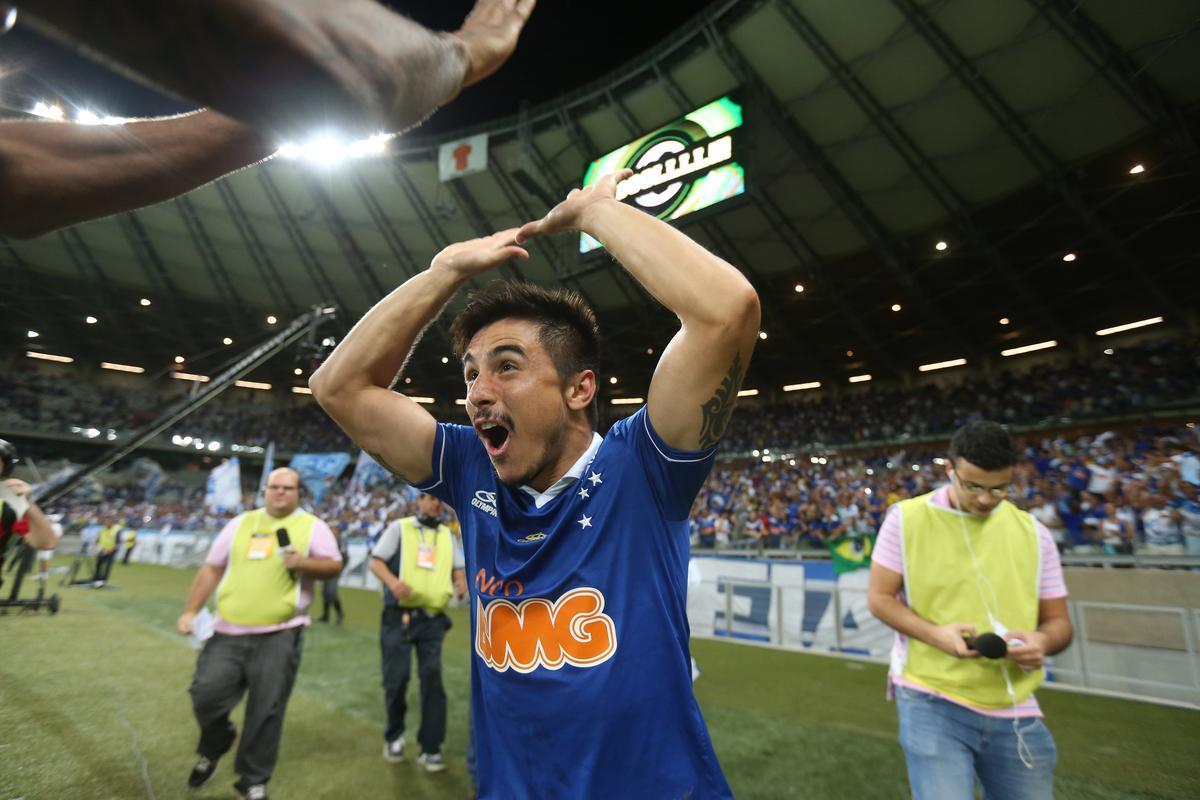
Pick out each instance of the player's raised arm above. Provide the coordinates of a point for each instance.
(697, 379)
(354, 383)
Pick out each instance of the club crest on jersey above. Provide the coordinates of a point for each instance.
(539, 633)
(533, 537)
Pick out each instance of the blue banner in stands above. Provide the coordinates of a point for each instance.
(318, 471)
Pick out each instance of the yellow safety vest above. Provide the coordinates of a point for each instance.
(106, 542)
(943, 586)
(257, 588)
(431, 588)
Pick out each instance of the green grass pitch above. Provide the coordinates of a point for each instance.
(78, 689)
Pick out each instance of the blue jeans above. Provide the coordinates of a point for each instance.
(948, 748)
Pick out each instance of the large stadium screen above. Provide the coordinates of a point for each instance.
(682, 167)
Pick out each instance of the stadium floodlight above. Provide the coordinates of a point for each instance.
(145, 301)
(798, 288)
(954, 362)
(748, 393)
(1141, 323)
(328, 149)
(32, 334)
(1029, 348)
(1069, 257)
(49, 357)
(90, 320)
(85, 116)
(46, 110)
(762, 335)
(214, 446)
(940, 247)
(460, 402)
(252, 385)
(859, 378)
(425, 401)
(301, 390)
(627, 401)
(188, 376)
(1137, 169)
(122, 367)
(799, 387)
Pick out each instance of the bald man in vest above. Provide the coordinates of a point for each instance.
(420, 565)
(262, 566)
(951, 565)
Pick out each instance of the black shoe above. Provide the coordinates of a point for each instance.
(204, 769)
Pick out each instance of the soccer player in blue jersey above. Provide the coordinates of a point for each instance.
(576, 544)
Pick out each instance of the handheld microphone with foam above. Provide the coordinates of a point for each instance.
(285, 543)
(988, 645)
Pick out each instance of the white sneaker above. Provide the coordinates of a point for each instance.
(432, 762)
(394, 750)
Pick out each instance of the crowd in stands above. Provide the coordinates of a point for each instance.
(1113, 492)
(1154, 374)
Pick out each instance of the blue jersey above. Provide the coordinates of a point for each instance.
(581, 673)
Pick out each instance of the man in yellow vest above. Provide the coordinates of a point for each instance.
(262, 566)
(420, 566)
(948, 566)
(107, 544)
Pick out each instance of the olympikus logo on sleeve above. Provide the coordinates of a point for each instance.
(537, 633)
(485, 501)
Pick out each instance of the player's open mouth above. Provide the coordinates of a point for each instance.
(495, 437)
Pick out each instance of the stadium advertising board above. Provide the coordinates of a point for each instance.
(686, 165)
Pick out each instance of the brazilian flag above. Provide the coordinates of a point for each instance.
(852, 552)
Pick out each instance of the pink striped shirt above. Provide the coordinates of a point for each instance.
(889, 554)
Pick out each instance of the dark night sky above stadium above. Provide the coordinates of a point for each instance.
(565, 45)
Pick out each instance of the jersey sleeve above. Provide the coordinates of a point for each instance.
(888, 552)
(675, 476)
(456, 459)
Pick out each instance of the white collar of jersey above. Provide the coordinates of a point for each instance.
(573, 474)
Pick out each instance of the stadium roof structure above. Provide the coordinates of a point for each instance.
(1007, 129)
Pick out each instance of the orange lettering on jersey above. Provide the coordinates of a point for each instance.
(537, 633)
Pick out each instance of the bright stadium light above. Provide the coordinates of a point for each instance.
(46, 110)
(1137, 169)
(145, 301)
(627, 401)
(178, 359)
(32, 334)
(301, 390)
(425, 401)
(122, 367)
(799, 287)
(1068, 257)
(748, 393)
(799, 387)
(271, 320)
(1029, 348)
(954, 362)
(49, 357)
(859, 378)
(940, 247)
(188, 376)
(90, 320)
(1141, 323)
(253, 385)
(328, 149)
(85, 116)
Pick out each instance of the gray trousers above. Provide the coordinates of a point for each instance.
(264, 665)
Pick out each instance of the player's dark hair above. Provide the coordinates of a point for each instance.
(985, 444)
(569, 330)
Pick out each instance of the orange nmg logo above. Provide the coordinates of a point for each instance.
(537, 633)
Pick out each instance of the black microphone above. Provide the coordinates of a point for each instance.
(285, 543)
(988, 645)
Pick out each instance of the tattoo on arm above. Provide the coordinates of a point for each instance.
(717, 410)
(387, 466)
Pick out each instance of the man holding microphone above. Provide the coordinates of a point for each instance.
(262, 565)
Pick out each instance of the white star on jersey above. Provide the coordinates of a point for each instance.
(595, 479)
(585, 521)
(583, 492)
